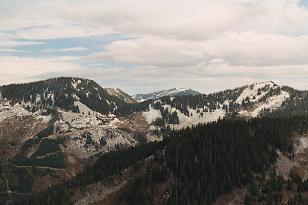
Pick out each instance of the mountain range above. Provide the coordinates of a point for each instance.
(66, 129)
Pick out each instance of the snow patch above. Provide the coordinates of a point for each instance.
(7, 111)
(77, 121)
(75, 83)
(303, 144)
(151, 115)
(115, 123)
(85, 109)
(195, 118)
(13, 111)
(251, 92)
(272, 103)
(44, 118)
(113, 138)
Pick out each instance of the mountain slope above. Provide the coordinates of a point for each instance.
(120, 94)
(193, 166)
(171, 92)
(248, 101)
(51, 130)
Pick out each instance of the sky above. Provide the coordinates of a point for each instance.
(142, 46)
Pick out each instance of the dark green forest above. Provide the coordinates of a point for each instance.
(202, 162)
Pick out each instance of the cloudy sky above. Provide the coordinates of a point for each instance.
(142, 45)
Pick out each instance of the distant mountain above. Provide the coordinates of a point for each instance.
(171, 92)
(120, 94)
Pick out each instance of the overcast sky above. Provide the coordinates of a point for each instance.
(142, 45)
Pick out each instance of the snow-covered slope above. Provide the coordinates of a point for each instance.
(272, 103)
(195, 118)
(247, 101)
(189, 118)
(256, 91)
(162, 93)
(260, 97)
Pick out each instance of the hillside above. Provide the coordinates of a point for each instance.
(196, 166)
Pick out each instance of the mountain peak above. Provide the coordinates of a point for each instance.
(261, 84)
(269, 82)
(256, 91)
(62, 93)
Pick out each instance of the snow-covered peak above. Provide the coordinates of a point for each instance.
(162, 93)
(181, 89)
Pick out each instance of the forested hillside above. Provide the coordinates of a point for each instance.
(255, 100)
(61, 93)
(199, 163)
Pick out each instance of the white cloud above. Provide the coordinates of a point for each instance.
(7, 50)
(153, 51)
(169, 18)
(21, 69)
(250, 49)
(74, 49)
(8, 41)
(199, 43)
